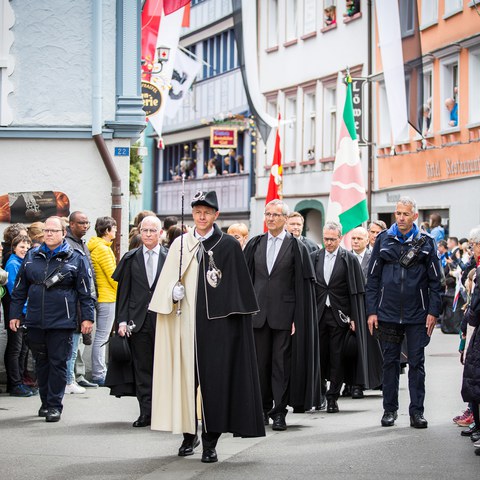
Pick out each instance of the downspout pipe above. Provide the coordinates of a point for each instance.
(97, 46)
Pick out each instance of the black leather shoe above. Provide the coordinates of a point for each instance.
(53, 415)
(357, 392)
(87, 384)
(475, 437)
(142, 421)
(279, 422)
(209, 455)
(347, 391)
(42, 412)
(188, 446)
(323, 404)
(417, 420)
(467, 432)
(388, 419)
(332, 406)
(266, 418)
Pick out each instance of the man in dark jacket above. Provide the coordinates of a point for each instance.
(285, 330)
(78, 226)
(404, 299)
(53, 277)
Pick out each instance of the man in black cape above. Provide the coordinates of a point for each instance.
(285, 329)
(204, 340)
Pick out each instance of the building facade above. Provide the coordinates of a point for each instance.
(70, 107)
(304, 47)
(217, 99)
(441, 170)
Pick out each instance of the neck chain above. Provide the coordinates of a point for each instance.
(214, 274)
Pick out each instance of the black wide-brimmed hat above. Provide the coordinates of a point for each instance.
(119, 349)
(350, 348)
(207, 199)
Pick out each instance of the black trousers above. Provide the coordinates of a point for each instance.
(51, 350)
(209, 439)
(142, 344)
(15, 356)
(332, 338)
(274, 353)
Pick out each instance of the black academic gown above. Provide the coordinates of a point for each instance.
(226, 361)
(304, 392)
(368, 372)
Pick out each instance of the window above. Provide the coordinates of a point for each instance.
(449, 93)
(427, 112)
(384, 124)
(177, 158)
(407, 17)
(452, 7)
(474, 82)
(429, 12)
(272, 39)
(329, 122)
(329, 13)
(309, 125)
(309, 16)
(219, 53)
(291, 19)
(290, 129)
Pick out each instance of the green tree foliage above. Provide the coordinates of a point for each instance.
(135, 169)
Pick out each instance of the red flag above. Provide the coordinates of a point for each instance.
(276, 173)
(151, 13)
(186, 16)
(170, 6)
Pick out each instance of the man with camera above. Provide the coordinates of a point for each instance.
(53, 277)
(404, 299)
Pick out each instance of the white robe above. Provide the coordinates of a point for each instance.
(173, 395)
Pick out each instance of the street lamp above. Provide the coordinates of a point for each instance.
(163, 54)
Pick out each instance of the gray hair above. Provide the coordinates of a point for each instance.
(474, 235)
(409, 202)
(152, 219)
(331, 225)
(277, 201)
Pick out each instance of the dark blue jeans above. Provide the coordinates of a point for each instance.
(51, 350)
(417, 340)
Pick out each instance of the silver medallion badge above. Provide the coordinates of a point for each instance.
(214, 275)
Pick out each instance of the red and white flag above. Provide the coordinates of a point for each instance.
(276, 173)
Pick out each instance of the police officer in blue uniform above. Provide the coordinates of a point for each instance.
(54, 278)
(403, 298)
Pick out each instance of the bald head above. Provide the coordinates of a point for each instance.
(359, 240)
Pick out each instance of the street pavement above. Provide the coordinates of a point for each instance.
(95, 440)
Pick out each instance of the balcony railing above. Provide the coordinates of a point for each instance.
(232, 191)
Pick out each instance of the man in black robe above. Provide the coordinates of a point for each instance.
(285, 328)
(340, 293)
(205, 338)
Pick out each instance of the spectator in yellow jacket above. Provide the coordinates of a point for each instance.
(103, 260)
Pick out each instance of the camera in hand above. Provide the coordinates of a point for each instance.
(54, 280)
(409, 258)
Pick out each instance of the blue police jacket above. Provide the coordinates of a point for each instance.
(397, 294)
(54, 306)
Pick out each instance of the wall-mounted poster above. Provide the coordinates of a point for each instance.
(28, 207)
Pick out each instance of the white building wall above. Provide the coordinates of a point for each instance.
(289, 66)
(73, 167)
(53, 58)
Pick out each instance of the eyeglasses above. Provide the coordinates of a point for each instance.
(473, 244)
(273, 215)
(325, 239)
(148, 230)
(49, 230)
(82, 223)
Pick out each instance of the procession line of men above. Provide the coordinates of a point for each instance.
(235, 337)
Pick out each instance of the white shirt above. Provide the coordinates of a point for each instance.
(360, 255)
(278, 243)
(206, 236)
(155, 256)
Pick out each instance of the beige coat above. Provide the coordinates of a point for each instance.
(173, 395)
